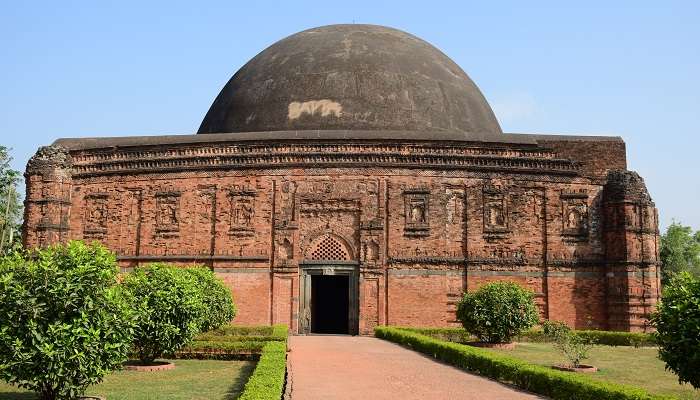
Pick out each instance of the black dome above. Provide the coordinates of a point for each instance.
(351, 77)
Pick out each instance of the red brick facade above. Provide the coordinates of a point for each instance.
(416, 223)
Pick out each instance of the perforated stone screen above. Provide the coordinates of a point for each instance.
(330, 248)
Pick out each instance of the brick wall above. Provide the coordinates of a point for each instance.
(417, 237)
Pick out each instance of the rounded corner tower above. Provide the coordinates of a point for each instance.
(352, 77)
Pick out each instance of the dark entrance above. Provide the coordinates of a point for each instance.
(330, 300)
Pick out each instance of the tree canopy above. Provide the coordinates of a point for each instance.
(10, 203)
(680, 251)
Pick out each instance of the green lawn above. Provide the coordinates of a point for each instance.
(628, 365)
(191, 379)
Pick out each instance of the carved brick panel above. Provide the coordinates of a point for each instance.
(168, 213)
(575, 222)
(242, 212)
(416, 212)
(495, 210)
(95, 217)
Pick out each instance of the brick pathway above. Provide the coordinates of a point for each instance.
(347, 367)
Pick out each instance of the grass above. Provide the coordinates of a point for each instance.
(622, 364)
(190, 380)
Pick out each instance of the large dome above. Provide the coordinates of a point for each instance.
(352, 77)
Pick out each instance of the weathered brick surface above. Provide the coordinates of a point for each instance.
(415, 225)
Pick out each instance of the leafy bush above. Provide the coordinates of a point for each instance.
(218, 303)
(169, 308)
(498, 311)
(614, 338)
(555, 329)
(677, 322)
(267, 381)
(232, 333)
(233, 342)
(529, 377)
(605, 338)
(457, 335)
(224, 350)
(574, 347)
(64, 321)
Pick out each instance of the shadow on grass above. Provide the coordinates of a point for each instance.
(18, 396)
(236, 389)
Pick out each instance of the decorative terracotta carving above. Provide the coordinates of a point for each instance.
(168, 213)
(241, 212)
(416, 209)
(575, 214)
(495, 209)
(95, 217)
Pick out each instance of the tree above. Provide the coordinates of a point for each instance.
(498, 311)
(169, 309)
(677, 323)
(680, 251)
(64, 321)
(10, 203)
(218, 303)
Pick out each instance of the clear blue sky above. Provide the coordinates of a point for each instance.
(71, 69)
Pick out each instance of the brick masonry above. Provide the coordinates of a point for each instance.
(417, 222)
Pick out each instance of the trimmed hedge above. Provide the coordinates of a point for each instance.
(248, 346)
(533, 378)
(230, 333)
(233, 342)
(612, 338)
(606, 338)
(268, 379)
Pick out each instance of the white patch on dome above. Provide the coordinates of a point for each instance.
(323, 108)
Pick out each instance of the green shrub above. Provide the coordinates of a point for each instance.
(169, 309)
(232, 333)
(614, 338)
(238, 330)
(554, 330)
(574, 347)
(221, 350)
(533, 378)
(605, 338)
(218, 303)
(457, 335)
(64, 321)
(267, 381)
(677, 322)
(498, 311)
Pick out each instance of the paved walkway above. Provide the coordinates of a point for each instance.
(347, 367)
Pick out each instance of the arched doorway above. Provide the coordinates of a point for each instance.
(329, 276)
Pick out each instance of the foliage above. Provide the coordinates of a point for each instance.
(456, 335)
(677, 323)
(529, 377)
(219, 309)
(604, 338)
(267, 381)
(614, 338)
(64, 321)
(555, 329)
(10, 203)
(169, 309)
(222, 350)
(231, 333)
(233, 342)
(680, 251)
(574, 347)
(498, 311)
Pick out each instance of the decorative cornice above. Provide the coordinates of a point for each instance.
(204, 157)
